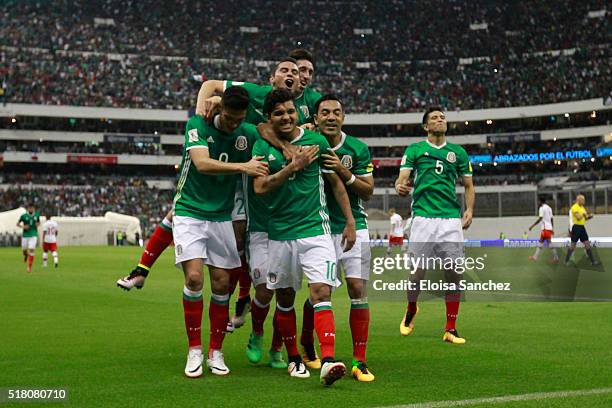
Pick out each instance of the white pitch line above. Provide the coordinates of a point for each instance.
(506, 398)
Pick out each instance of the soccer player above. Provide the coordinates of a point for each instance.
(436, 230)
(50, 231)
(545, 217)
(579, 217)
(307, 97)
(299, 232)
(213, 157)
(396, 232)
(29, 222)
(350, 159)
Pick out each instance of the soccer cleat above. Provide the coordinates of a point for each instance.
(253, 349)
(361, 372)
(298, 370)
(243, 307)
(332, 372)
(276, 360)
(310, 357)
(452, 336)
(135, 279)
(216, 363)
(407, 324)
(193, 369)
(230, 327)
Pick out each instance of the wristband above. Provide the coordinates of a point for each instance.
(351, 180)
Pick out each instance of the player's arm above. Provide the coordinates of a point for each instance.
(362, 185)
(349, 235)
(206, 165)
(267, 133)
(577, 215)
(535, 223)
(402, 185)
(207, 101)
(21, 224)
(470, 198)
(266, 184)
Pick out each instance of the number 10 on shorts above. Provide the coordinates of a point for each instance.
(331, 271)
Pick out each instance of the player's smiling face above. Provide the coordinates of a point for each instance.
(306, 73)
(436, 123)
(286, 76)
(283, 118)
(330, 118)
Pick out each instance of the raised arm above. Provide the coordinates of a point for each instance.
(207, 101)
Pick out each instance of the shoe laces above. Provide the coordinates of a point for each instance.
(363, 367)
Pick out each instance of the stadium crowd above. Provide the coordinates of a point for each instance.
(499, 55)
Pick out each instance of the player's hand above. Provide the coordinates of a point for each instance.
(331, 161)
(308, 126)
(255, 167)
(304, 157)
(467, 219)
(289, 151)
(403, 189)
(212, 106)
(349, 236)
(26, 227)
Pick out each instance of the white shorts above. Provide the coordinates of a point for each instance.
(356, 262)
(258, 257)
(239, 212)
(436, 237)
(214, 242)
(29, 242)
(314, 256)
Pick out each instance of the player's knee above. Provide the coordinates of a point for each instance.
(194, 280)
(263, 294)
(285, 297)
(320, 292)
(356, 288)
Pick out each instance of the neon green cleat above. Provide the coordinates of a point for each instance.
(276, 360)
(253, 349)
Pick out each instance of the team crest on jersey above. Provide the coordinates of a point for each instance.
(451, 157)
(305, 111)
(241, 143)
(179, 250)
(272, 278)
(347, 161)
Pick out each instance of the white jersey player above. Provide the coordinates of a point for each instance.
(545, 219)
(396, 233)
(50, 231)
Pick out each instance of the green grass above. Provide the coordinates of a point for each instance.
(72, 327)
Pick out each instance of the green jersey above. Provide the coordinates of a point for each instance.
(31, 220)
(355, 156)
(207, 196)
(306, 102)
(297, 208)
(436, 169)
(257, 96)
(257, 209)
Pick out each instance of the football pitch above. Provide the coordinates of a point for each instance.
(72, 328)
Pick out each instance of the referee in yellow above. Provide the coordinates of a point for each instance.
(579, 217)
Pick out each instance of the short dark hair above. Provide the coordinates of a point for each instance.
(302, 54)
(236, 98)
(430, 109)
(286, 59)
(274, 98)
(328, 97)
(543, 199)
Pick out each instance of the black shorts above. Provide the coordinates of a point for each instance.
(579, 234)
